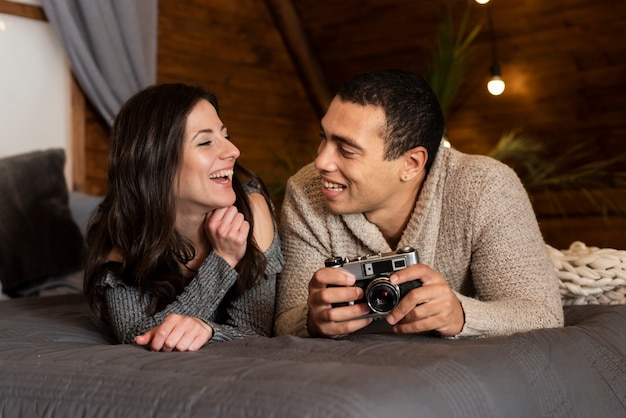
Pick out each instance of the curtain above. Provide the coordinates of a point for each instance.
(111, 46)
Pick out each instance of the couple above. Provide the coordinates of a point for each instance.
(185, 250)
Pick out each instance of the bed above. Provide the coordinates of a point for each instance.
(55, 363)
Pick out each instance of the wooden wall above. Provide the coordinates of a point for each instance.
(234, 50)
(563, 61)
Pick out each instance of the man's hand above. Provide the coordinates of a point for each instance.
(228, 232)
(177, 332)
(324, 320)
(431, 307)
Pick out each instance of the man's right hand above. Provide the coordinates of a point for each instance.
(323, 319)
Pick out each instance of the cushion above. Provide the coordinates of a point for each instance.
(38, 236)
(590, 275)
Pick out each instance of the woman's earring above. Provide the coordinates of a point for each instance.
(405, 177)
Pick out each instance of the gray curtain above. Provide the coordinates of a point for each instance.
(111, 46)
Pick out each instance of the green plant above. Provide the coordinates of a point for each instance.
(449, 59)
(555, 173)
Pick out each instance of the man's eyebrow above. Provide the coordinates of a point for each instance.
(343, 140)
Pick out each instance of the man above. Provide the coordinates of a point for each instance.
(383, 181)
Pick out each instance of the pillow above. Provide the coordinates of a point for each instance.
(590, 275)
(38, 236)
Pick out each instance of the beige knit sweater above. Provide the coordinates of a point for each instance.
(473, 223)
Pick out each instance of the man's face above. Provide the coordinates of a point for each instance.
(350, 160)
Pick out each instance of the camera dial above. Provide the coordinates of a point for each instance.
(334, 262)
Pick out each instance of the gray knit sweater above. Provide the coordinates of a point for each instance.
(473, 223)
(205, 297)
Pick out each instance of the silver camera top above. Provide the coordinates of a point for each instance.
(373, 265)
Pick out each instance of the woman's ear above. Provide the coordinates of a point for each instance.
(414, 163)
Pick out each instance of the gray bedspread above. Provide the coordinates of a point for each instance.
(54, 363)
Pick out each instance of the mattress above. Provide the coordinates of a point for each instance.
(54, 362)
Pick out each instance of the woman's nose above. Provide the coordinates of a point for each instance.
(231, 151)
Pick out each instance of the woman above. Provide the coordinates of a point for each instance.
(182, 252)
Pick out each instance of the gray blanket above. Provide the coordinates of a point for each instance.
(54, 363)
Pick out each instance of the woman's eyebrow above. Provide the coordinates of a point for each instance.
(208, 131)
(203, 131)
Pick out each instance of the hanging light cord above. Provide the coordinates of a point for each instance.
(492, 34)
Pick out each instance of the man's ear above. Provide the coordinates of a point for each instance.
(414, 163)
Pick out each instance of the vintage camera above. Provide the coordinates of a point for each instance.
(372, 275)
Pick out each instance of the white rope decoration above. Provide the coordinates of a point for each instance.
(590, 275)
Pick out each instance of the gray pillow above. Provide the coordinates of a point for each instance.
(38, 237)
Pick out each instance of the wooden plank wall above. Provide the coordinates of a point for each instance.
(564, 63)
(234, 50)
(588, 215)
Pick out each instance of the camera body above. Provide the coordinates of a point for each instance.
(372, 275)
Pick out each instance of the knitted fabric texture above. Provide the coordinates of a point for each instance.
(590, 275)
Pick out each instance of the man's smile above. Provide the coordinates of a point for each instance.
(333, 186)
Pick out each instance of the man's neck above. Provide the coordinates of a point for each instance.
(393, 221)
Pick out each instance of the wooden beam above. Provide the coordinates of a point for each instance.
(79, 173)
(22, 10)
(290, 27)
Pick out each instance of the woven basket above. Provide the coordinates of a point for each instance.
(590, 275)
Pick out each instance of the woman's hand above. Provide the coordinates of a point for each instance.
(228, 232)
(177, 332)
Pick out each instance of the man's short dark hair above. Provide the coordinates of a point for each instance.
(413, 113)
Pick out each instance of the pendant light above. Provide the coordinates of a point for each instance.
(496, 84)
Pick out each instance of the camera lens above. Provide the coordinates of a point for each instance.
(382, 295)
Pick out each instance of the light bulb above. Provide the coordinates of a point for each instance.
(495, 85)
(482, 1)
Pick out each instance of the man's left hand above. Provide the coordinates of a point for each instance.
(431, 307)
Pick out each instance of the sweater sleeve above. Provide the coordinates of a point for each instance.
(515, 284)
(206, 297)
(200, 299)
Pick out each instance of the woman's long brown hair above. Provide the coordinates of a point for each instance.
(136, 218)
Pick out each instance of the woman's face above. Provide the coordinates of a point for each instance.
(204, 182)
